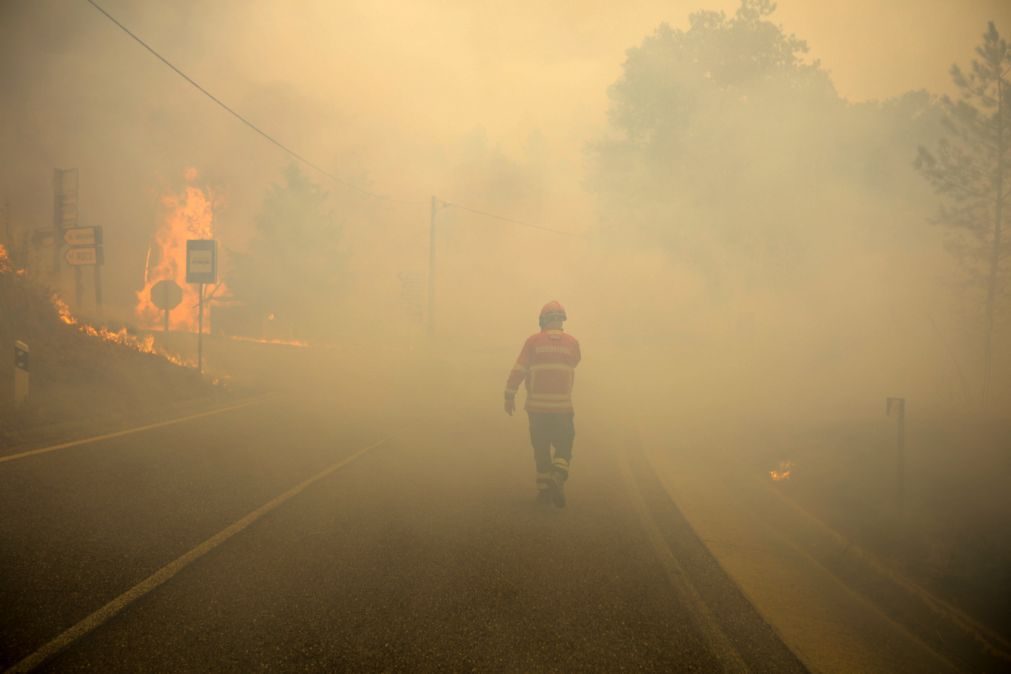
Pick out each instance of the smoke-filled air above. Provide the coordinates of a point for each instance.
(530, 336)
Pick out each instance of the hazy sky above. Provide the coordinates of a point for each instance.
(400, 94)
(410, 69)
(490, 61)
(512, 66)
(878, 49)
(389, 79)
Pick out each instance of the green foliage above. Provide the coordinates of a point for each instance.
(970, 171)
(293, 269)
(726, 140)
(677, 75)
(685, 95)
(965, 167)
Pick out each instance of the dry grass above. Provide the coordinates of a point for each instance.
(75, 378)
(951, 533)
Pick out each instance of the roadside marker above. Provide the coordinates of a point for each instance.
(21, 372)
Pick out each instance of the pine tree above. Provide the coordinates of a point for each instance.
(969, 171)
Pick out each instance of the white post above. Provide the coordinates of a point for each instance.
(20, 372)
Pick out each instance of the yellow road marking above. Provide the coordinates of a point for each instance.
(129, 431)
(165, 573)
(716, 640)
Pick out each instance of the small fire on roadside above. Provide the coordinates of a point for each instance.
(266, 340)
(145, 344)
(784, 472)
(6, 267)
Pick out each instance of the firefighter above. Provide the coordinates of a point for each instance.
(547, 365)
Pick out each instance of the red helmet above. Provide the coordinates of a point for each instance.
(552, 311)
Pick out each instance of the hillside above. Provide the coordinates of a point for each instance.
(80, 375)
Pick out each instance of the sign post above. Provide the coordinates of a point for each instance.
(201, 268)
(85, 249)
(166, 295)
(21, 379)
(64, 211)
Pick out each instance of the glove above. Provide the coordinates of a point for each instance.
(510, 405)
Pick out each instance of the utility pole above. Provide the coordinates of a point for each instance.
(65, 208)
(78, 288)
(8, 235)
(431, 267)
(98, 289)
(57, 224)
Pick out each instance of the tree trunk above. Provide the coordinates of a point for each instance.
(991, 288)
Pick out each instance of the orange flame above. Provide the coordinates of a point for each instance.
(279, 342)
(188, 215)
(145, 344)
(5, 264)
(784, 472)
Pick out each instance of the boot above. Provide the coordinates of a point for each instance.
(559, 474)
(545, 483)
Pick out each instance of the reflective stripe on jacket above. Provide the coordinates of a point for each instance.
(547, 365)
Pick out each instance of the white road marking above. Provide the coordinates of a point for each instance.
(129, 431)
(165, 573)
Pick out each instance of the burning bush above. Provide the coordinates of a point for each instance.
(79, 371)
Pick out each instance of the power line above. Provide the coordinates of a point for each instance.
(238, 116)
(299, 157)
(511, 220)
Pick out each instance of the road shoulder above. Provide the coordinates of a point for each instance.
(777, 559)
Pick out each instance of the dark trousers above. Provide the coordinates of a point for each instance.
(547, 431)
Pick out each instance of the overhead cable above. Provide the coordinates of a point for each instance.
(511, 220)
(238, 116)
(299, 157)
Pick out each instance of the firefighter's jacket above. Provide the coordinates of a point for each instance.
(547, 364)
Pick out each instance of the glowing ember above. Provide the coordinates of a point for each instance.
(282, 342)
(5, 264)
(145, 344)
(188, 215)
(784, 472)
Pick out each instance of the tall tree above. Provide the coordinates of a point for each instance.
(969, 171)
(731, 150)
(705, 118)
(293, 269)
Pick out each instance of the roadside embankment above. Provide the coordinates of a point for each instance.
(838, 603)
(81, 376)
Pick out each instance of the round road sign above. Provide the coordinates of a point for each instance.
(166, 295)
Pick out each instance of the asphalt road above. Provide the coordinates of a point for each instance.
(424, 553)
